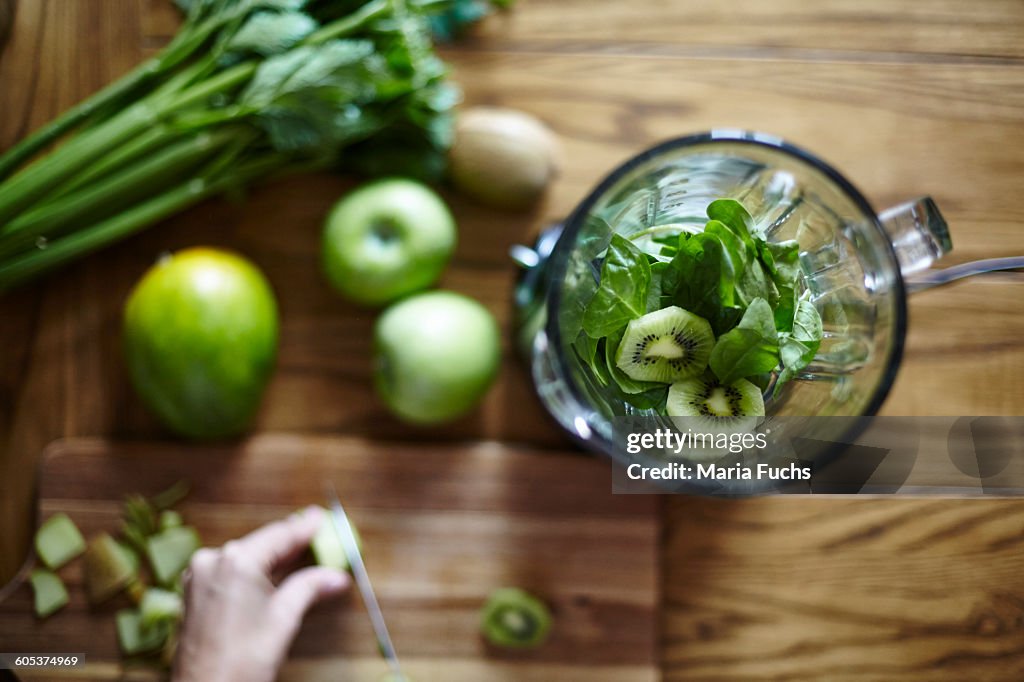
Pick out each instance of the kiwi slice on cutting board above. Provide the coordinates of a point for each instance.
(49, 592)
(515, 618)
(109, 568)
(59, 541)
(667, 345)
(706, 396)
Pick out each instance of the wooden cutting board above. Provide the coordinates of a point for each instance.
(442, 526)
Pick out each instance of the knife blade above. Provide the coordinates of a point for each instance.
(343, 529)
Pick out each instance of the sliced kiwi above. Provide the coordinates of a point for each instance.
(705, 396)
(109, 568)
(134, 637)
(159, 605)
(326, 545)
(514, 618)
(59, 541)
(667, 345)
(169, 552)
(49, 591)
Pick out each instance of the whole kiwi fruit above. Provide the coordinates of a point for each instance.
(502, 157)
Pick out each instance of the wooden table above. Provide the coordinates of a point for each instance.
(907, 97)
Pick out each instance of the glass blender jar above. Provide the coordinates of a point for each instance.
(854, 263)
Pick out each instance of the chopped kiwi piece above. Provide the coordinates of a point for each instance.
(667, 345)
(707, 397)
(58, 541)
(159, 605)
(134, 637)
(109, 568)
(514, 618)
(169, 552)
(170, 519)
(326, 546)
(48, 588)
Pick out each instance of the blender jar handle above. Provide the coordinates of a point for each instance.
(920, 236)
(918, 233)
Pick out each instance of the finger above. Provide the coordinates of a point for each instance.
(302, 589)
(201, 564)
(281, 540)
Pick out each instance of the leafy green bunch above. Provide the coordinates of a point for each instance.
(245, 90)
(746, 287)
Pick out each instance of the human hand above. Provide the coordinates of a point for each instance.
(238, 625)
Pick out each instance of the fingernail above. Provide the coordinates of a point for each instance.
(313, 511)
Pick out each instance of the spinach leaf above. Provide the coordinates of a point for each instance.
(734, 216)
(807, 322)
(586, 347)
(735, 249)
(654, 290)
(582, 274)
(755, 283)
(652, 399)
(700, 279)
(622, 294)
(732, 224)
(667, 238)
(786, 309)
(599, 367)
(751, 348)
(797, 349)
(782, 260)
(762, 380)
(795, 356)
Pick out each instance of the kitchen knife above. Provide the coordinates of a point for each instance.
(350, 547)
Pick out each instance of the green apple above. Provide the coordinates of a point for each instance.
(386, 240)
(436, 355)
(200, 337)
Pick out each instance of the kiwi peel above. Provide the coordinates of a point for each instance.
(665, 346)
(514, 618)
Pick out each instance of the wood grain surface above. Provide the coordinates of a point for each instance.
(906, 97)
(441, 526)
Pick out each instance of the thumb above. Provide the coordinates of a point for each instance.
(302, 589)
